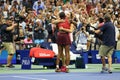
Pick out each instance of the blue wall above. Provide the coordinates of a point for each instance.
(3, 57)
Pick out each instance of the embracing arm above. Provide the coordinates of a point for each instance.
(57, 21)
(68, 30)
(97, 31)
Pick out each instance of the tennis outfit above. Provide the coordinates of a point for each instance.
(63, 38)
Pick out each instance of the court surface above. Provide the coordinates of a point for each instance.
(39, 73)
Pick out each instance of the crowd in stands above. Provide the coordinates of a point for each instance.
(34, 19)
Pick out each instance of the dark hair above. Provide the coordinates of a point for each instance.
(101, 20)
(62, 15)
(29, 35)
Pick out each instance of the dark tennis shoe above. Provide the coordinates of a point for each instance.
(1, 66)
(109, 71)
(67, 70)
(57, 70)
(104, 69)
(10, 66)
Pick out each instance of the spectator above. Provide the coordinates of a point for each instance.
(7, 39)
(39, 32)
(28, 40)
(81, 39)
(38, 5)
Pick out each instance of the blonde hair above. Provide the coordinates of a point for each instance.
(3, 21)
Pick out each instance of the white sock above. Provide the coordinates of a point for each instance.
(57, 66)
(67, 66)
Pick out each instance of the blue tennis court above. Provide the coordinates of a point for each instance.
(62, 76)
(38, 73)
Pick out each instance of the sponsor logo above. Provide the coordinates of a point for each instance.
(25, 62)
(44, 54)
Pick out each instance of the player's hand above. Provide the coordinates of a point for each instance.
(61, 28)
(61, 20)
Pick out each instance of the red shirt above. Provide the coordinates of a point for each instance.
(65, 24)
(100, 25)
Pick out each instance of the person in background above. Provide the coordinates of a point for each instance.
(38, 5)
(19, 40)
(101, 22)
(28, 40)
(108, 42)
(7, 30)
(81, 39)
(98, 37)
(39, 36)
(1, 46)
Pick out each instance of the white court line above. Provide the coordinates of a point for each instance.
(29, 78)
(4, 76)
(24, 77)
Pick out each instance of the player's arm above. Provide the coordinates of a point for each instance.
(68, 30)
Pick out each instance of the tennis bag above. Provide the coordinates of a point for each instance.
(79, 63)
(41, 53)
